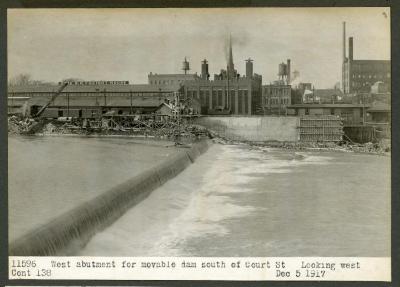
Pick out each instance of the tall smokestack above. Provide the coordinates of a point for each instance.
(344, 42)
(288, 71)
(351, 49)
(204, 70)
(249, 68)
(231, 67)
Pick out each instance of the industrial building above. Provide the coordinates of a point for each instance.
(95, 99)
(228, 92)
(358, 76)
(323, 96)
(172, 79)
(277, 95)
(351, 114)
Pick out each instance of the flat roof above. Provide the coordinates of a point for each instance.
(328, 106)
(139, 88)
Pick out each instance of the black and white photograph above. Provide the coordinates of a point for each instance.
(199, 132)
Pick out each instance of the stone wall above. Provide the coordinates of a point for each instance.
(253, 128)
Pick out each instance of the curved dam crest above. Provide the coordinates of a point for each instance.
(70, 231)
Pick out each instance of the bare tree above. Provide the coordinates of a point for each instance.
(20, 80)
(24, 79)
(72, 80)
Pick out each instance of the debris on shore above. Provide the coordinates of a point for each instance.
(382, 147)
(17, 125)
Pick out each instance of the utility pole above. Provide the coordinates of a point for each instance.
(67, 104)
(279, 99)
(131, 102)
(363, 101)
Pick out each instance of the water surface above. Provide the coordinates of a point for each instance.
(48, 176)
(237, 201)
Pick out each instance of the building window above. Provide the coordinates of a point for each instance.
(232, 100)
(207, 96)
(246, 102)
(202, 99)
(219, 98)
(214, 99)
(240, 101)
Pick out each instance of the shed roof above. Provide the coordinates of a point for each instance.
(90, 101)
(327, 93)
(379, 108)
(144, 88)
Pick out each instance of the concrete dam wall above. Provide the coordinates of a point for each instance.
(71, 231)
(253, 128)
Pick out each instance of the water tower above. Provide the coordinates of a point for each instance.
(185, 66)
(284, 72)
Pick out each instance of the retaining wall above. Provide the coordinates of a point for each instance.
(253, 128)
(69, 232)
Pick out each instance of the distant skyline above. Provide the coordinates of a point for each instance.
(128, 44)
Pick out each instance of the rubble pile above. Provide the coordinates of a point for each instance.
(76, 127)
(50, 128)
(380, 147)
(17, 125)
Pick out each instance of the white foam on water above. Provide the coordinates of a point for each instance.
(195, 204)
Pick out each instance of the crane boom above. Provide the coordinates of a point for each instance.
(55, 95)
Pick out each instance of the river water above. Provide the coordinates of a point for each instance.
(239, 201)
(48, 176)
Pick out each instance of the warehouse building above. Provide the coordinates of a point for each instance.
(92, 98)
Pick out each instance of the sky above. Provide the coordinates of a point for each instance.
(128, 44)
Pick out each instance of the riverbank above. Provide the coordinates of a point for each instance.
(382, 147)
(75, 127)
(190, 133)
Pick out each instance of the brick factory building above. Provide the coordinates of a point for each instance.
(228, 92)
(275, 98)
(277, 95)
(358, 76)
